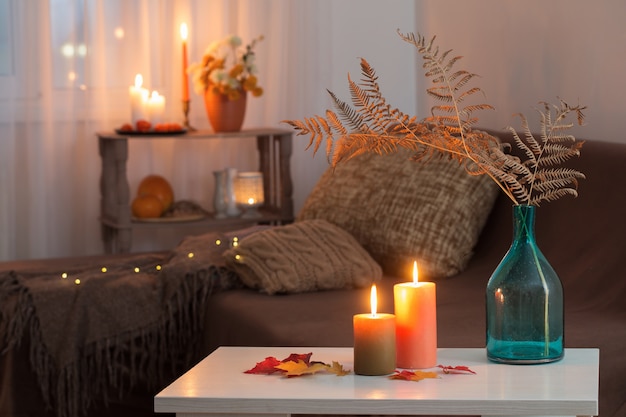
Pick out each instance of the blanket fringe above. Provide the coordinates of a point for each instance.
(111, 367)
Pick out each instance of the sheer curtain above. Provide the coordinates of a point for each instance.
(66, 67)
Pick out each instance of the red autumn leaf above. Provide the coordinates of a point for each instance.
(456, 369)
(295, 357)
(267, 367)
(412, 375)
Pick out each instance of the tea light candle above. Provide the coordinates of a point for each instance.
(374, 341)
(416, 323)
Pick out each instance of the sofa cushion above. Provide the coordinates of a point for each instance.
(307, 256)
(402, 210)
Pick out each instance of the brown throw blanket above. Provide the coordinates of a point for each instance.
(91, 338)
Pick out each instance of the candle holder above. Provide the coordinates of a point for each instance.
(249, 193)
(186, 114)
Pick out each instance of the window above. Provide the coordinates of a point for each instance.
(6, 52)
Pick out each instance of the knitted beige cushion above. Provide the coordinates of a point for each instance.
(307, 256)
(401, 210)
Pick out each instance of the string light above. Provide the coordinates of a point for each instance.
(104, 269)
(158, 267)
(77, 281)
(218, 242)
(64, 275)
(190, 255)
(238, 257)
(136, 269)
(235, 241)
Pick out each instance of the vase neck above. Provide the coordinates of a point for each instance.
(523, 223)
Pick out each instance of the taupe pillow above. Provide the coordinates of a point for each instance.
(307, 256)
(402, 210)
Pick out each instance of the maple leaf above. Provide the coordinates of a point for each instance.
(413, 375)
(300, 367)
(267, 366)
(294, 357)
(337, 369)
(456, 369)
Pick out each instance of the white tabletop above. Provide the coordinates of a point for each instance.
(218, 385)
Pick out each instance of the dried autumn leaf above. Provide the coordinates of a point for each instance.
(337, 369)
(267, 366)
(413, 375)
(294, 357)
(461, 369)
(300, 367)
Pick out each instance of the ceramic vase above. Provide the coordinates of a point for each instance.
(225, 115)
(231, 200)
(524, 300)
(219, 196)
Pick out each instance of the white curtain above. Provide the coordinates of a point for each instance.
(65, 69)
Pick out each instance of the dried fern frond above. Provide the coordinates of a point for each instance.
(370, 124)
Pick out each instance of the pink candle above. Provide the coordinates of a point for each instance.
(416, 323)
(183, 35)
(374, 341)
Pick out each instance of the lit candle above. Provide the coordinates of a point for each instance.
(138, 100)
(156, 108)
(183, 35)
(416, 323)
(374, 341)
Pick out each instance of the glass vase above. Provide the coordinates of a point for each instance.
(524, 301)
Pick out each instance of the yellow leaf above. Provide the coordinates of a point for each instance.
(300, 368)
(413, 375)
(338, 369)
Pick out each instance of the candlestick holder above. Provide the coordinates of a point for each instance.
(186, 114)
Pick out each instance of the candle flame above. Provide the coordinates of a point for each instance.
(373, 300)
(251, 200)
(183, 31)
(138, 80)
(415, 280)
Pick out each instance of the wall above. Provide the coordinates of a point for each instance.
(533, 50)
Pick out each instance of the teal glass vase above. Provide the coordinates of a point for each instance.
(524, 300)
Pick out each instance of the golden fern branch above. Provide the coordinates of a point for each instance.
(370, 124)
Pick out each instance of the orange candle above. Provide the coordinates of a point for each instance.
(374, 341)
(416, 323)
(183, 35)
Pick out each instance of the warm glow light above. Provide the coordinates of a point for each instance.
(104, 269)
(183, 31)
(138, 81)
(218, 242)
(64, 275)
(137, 269)
(67, 50)
(71, 76)
(77, 281)
(415, 273)
(373, 300)
(190, 255)
(118, 33)
(251, 200)
(499, 296)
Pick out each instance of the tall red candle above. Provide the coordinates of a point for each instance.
(416, 323)
(183, 35)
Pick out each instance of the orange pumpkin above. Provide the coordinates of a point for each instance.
(146, 207)
(159, 187)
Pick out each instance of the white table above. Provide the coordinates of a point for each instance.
(218, 386)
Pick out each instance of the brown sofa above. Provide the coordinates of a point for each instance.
(582, 238)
